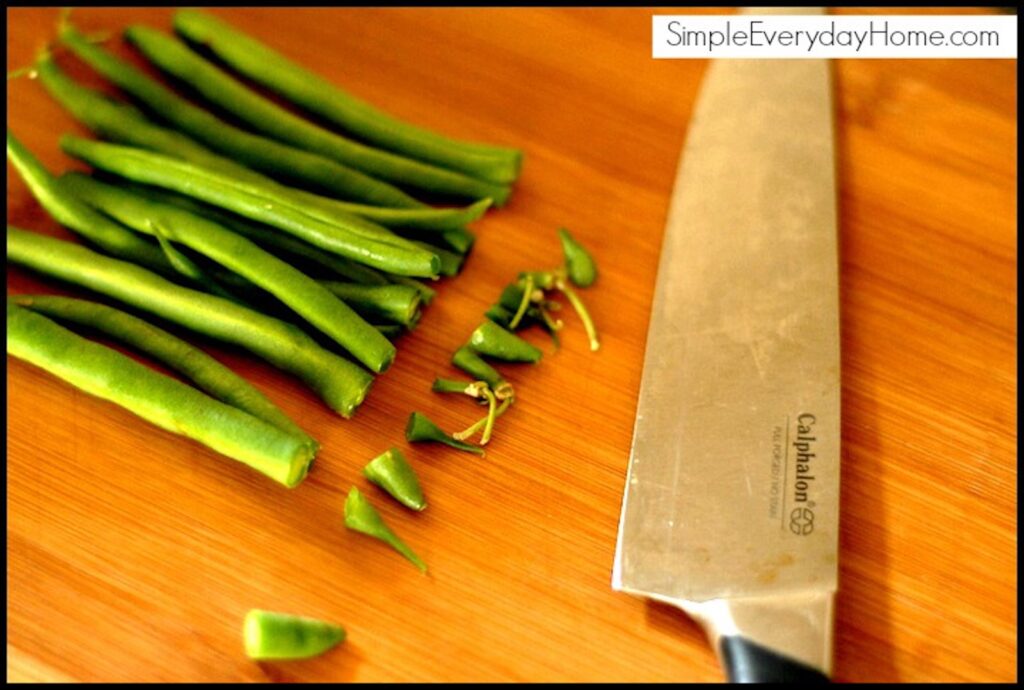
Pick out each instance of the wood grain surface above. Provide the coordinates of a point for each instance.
(133, 554)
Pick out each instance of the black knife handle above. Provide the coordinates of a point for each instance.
(749, 662)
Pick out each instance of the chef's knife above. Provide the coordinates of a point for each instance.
(731, 505)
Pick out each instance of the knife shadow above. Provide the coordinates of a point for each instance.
(863, 635)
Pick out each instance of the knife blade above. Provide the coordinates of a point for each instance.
(731, 503)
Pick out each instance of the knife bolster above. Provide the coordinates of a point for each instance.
(787, 633)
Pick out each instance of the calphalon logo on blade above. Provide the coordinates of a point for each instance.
(801, 517)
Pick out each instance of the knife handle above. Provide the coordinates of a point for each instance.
(748, 662)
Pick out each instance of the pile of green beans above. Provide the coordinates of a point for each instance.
(245, 234)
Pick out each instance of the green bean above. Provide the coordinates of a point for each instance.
(579, 264)
(261, 153)
(451, 263)
(71, 213)
(157, 398)
(308, 90)
(420, 429)
(308, 298)
(342, 384)
(226, 92)
(361, 516)
(393, 473)
(398, 304)
(269, 635)
(121, 123)
(348, 236)
(491, 340)
(460, 240)
(264, 235)
(389, 330)
(204, 371)
(466, 359)
(434, 220)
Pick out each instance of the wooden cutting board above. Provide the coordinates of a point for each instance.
(133, 554)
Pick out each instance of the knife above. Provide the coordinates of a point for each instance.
(731, 504)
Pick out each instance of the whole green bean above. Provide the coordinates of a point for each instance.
(340, 383)
(393, 303)
(348, 236)
(216, 86)
(162, 400)
(73, 214)
(308, 298)
(310, 91)
(201, 369)
(261, 153)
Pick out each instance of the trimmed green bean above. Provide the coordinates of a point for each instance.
(204, 371)
(491, 340)
(71, 213)
(269, 635)
(361, 516)
(340, 383)
(308, 90)
(216, 86)
(347, 236)
(393, 473)
(398, 304)
(308, 298)
(261, 153)
(157, 398)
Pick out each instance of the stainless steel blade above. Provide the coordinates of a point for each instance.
(732, 496)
